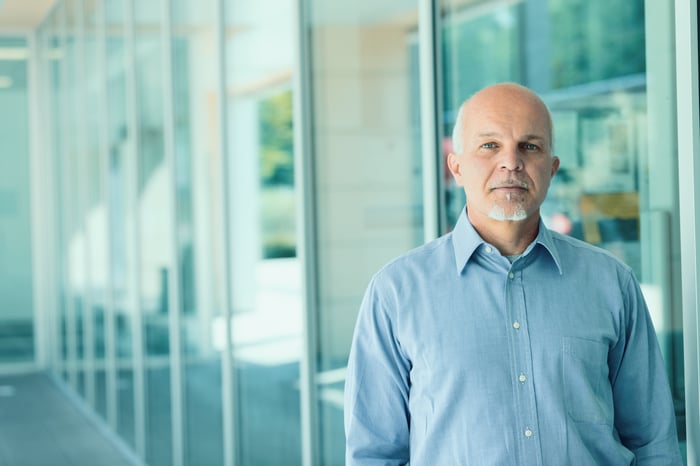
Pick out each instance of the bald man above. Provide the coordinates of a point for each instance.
(502, 342)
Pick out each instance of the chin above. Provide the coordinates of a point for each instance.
(517, 214)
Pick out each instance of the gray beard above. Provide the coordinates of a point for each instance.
(517, 213)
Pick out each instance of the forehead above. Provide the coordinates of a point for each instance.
(506, 114)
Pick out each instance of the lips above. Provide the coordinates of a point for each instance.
(509, 184)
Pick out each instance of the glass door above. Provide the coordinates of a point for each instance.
(605, 74)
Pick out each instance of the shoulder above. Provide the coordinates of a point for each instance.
(576, 253)
(418, 262)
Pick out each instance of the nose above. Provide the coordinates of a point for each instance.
(511, 159)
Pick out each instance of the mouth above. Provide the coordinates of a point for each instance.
(509, 185)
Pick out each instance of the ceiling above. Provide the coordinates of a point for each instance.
(23, 15)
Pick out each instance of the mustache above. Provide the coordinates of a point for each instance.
(509, 183)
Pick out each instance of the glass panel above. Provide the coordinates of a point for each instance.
(74, 266)
(120, 218)
(198, 222)
(155, 229)
(588, 62)
(16, 289)
(368, 171)
(95, 214)
(55, 56)
(267, 306)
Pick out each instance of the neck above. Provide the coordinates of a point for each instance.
(509, 237)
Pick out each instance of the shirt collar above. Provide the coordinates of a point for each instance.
(466, 240)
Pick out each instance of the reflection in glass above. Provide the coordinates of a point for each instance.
(368, 169)
(16, 288)
(155, 226)
(590, 68)
(587, 59)
(74, 241)
(197, 156)
(266, 276)
(120, 219)
(55, 47)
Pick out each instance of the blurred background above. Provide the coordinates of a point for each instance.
(194, 194)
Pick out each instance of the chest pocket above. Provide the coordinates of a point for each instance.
(587, 390)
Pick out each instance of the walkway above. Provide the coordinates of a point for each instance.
(41, 426)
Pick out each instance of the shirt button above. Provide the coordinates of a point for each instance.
(528, 433)
(522, 378)
(488, 249)
(516, 325)
(511, 275)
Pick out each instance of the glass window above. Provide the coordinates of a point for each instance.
(16, 289)
(121, 218)
(198, 200)
(588, 61)
(266, 276)
(95, 213)
(367, 158)
(124, 250)
(56, 57)
(73, 241)
(155, 227)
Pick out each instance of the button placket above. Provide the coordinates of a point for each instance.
(526, 417)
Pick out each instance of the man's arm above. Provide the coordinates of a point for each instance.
(376, 389)
(644, 412)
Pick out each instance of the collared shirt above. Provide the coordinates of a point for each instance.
(461, 358)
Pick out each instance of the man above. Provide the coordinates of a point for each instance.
(504, 343)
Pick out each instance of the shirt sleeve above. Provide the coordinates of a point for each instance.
(644, 412)
(376, 389)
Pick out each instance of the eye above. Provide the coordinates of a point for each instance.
(488, 145)
(529, 146)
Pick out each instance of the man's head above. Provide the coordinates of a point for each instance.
(502, 153)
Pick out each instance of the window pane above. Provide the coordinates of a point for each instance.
(266, 282)
(74, 266)
(155, 229)
(368, 172)
(121, 219)
(198, 197)
(589, 63)
(17, 316)
(95, 215)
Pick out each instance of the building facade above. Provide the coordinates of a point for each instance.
(196, 193)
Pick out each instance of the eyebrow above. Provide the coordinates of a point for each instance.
(527, 137)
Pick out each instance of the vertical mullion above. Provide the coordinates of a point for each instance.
(83, 203)
(109, 318)
(228, 386)
(431, 117)
(53, 170)
(174, 295)
(41, 219)
(67, 213)
(132, 176)
(304, 181)
(687, 95)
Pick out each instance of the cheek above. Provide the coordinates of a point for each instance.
(475, 178)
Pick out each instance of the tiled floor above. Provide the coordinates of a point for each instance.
(40, 426)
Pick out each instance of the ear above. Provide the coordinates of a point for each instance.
(555, 164)
(454, 164)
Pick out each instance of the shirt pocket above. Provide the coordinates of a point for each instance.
(587, 391)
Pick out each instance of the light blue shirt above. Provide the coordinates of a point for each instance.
(461, 358)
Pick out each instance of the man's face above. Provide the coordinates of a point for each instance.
(506, 164)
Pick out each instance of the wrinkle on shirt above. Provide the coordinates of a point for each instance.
(549, 360)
